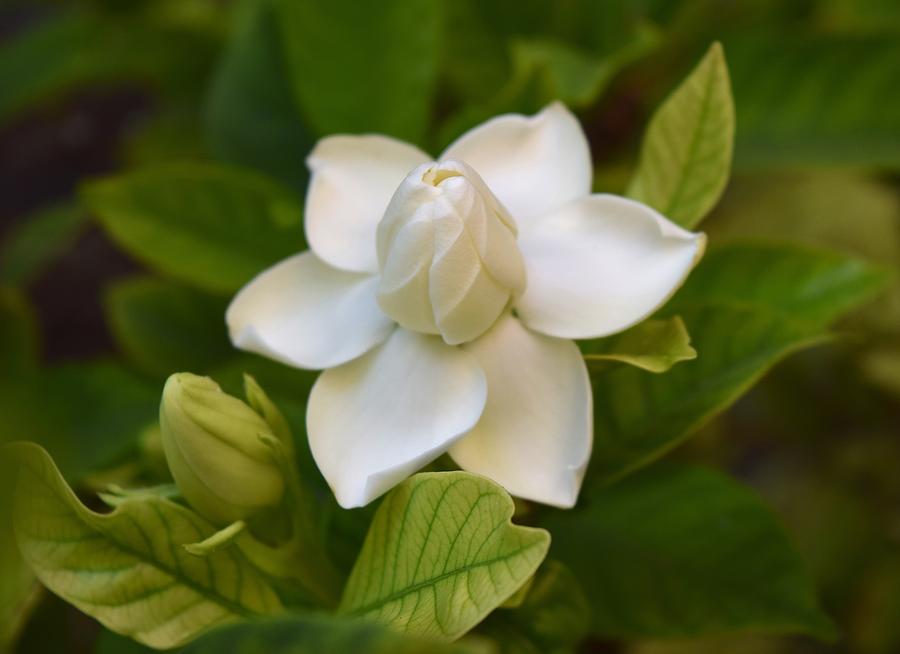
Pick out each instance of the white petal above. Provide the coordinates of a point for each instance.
(378, 419)
(534, 437)
(601, 264)
(353, 179)
(532, 164)
(305, 313)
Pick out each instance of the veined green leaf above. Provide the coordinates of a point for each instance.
(128, 568)
(163, 326)
(741, 325)
(252, 119)
(654, 345)
(360, 66)
(686, 153)
(212, 226)
(679, 551)
(440, 555)
(317, 634)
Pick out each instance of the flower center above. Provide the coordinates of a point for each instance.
(447, 250)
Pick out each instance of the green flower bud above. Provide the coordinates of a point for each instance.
(213, 447)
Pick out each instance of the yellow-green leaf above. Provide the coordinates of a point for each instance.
(440, 555)
(686, 153)
(654, 345)
(128, 568)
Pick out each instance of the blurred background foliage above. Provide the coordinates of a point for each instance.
(96, 310)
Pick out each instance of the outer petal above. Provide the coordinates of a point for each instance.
(601, 264)
(307, 314)
(534, 437)
(532, 164)
(353, 179)
(378, 419)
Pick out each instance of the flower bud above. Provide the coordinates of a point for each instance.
(447, 250)
(213, 447)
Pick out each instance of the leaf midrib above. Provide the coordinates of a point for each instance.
(191, 584)
(693, 145)
(414, 588)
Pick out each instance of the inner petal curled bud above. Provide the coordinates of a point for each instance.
(447, 250)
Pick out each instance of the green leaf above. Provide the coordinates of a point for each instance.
(37, 241)
(558, 71)
(210, 226)
(552, 619)
(544, 70)
(252, 119)
(686, 153)
(82, 46)
(653, 345)
(19, 590)
(363, 67)
(803, 284)
(164, 327)
(87, 414)
(680, 551)
(18, 338)
(823, 99)
(440, 555)
(317, 634)
(479, 64)
(128, 568)
(41, 60)
(741, 325)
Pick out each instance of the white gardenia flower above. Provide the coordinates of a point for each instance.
(441, 297)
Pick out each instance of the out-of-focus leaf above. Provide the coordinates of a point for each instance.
(363, 67)
(164, 327)
(79, 46)
(317, 634)
(680, 551)
(252, 119)
(741, 325)
(440, 555)
(109, 642)
(816, 100)
(557, 71)
(686, 152)
(882, 366)
(18, 588)
(546, 70)
(654, 345)
(477, 58)
(553, 617)
(805, 285)
(128, 568)
(211, 226)
(36, 241)
(18, 340)
(44, 58)
(844, 211)
(86, 414)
